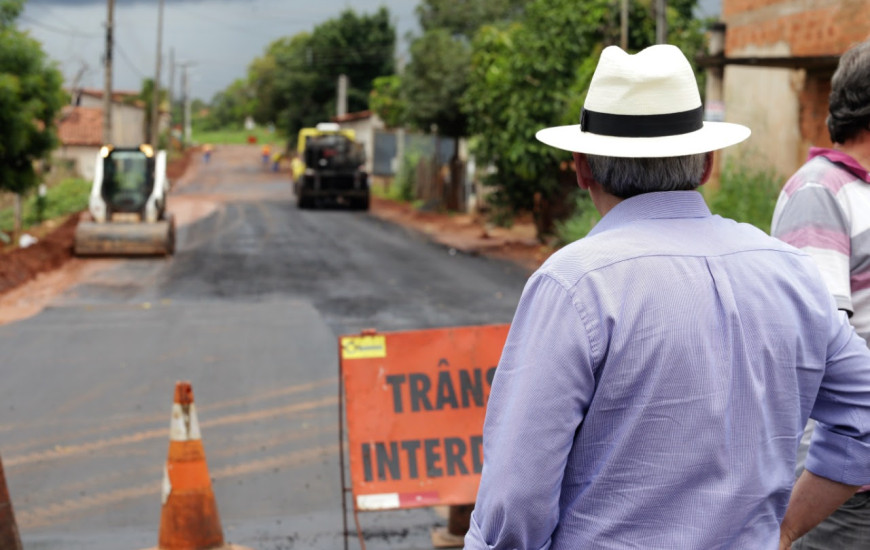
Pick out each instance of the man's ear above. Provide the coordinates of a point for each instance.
(584, 173)
(708, 167)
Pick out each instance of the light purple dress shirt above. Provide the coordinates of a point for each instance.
(655, 384)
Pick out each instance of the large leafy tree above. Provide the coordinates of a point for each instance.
(534, 73)
(359, 46)
(462, 18)
(386, 100)
(230, 107)
(436, 77)
(283, 83)
(434, 81)
(427, 94)
(295, 82)
(30, 99)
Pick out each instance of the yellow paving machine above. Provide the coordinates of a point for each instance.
(127, 206)
(329, 168)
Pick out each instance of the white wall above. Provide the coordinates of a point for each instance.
(767, 101)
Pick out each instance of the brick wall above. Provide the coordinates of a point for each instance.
(788, 119)
(827, 27)
(813, 100)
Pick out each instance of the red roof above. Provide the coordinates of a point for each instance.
(359, 115)
(81, 126)
(117, 95)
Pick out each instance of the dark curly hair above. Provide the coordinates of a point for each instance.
(849, 102)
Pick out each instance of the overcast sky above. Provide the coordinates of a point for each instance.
(216, 38)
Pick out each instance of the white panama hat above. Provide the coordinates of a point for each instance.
(643, 105)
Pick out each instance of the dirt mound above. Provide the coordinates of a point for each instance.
(53, 249)
(50, 252)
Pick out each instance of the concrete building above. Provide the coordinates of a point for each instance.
(128, 114)
(80, 127)
(779, 56)
(80, 132)
(364, 124)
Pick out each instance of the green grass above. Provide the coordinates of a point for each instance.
(577, 226)
(745, 195)
(235, 137)
(67, 197)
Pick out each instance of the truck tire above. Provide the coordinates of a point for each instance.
(361, 203)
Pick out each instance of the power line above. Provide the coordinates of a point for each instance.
(128, 61)
(59, 30)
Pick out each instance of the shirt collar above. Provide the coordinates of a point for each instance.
(842, 159)
(657, 205)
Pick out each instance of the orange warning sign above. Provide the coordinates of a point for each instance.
(415, 406)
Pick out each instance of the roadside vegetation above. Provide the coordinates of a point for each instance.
(69, 196)
(236, 136)
(745, 195)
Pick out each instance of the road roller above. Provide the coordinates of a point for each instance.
(127, 206)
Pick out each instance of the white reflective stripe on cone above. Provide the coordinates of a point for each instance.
(184, 427)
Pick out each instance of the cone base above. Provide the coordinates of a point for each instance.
(442, 538)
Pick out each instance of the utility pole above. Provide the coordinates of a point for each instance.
(623, 25)
(155, 100)
(185, 91)
(341, 107)
(107, 90)
(661, 21)
(171, 85)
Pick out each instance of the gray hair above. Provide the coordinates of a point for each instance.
(849, 102)
(627, 177)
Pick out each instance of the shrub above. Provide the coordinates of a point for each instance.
(745, 195)
(580, 223)
(67, 197)
(407, 175)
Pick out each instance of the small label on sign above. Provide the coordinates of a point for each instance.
(364, 347)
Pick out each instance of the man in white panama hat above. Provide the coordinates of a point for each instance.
(658, 373)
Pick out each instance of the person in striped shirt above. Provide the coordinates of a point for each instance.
(824, 209)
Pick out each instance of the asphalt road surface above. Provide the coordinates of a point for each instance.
(249, 310)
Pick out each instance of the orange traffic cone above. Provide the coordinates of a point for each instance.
(9, 538)
(189, 519)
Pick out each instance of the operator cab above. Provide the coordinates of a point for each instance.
(128, 178)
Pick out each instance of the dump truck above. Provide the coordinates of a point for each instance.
(328, 168)
(127, 206)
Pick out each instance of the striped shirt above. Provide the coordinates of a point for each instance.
(824, 209)
(655, 383)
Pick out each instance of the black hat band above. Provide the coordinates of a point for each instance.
(641, 126)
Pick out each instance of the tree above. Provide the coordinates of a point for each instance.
(434, 81)
(295, 82)
(231, 107)
(145, 98)
(462, 18)
(282, 82)
(533, 74)
(387, 101)
(358, 46)
(30, 99)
